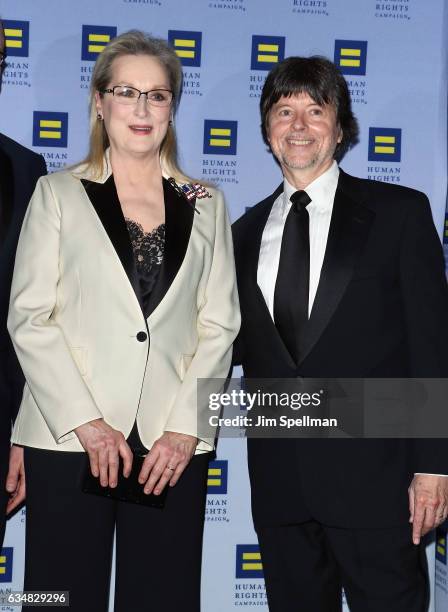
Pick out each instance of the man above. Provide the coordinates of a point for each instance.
(19, 171)
(339, 277)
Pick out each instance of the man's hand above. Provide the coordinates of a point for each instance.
(15, 481)
(428, 503)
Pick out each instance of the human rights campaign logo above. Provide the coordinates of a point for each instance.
(6, 558)
(220, 137)
(187, 45)
(248, 561)
(94, 40)
(385, 144)
(17, 37)
(350, 56)
(50, 129)
(217, 477)
(267, 51)
(441, 555)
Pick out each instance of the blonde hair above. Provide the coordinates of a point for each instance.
(134, 42)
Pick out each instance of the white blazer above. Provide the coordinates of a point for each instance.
(84, 343)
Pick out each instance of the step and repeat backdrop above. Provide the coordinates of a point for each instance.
(393, 55)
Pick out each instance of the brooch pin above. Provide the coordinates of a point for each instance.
(190, 191)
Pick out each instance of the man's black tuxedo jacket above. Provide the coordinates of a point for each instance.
(381, 310)
(19, 171)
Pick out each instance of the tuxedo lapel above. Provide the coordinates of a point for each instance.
(179, 215)
(6, 194)
(254, 298)
(104, 199)
(349, 228)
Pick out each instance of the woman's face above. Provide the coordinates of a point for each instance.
(138, 128)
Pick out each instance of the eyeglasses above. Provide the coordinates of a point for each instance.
(123, 94)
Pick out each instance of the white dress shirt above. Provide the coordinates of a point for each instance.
(321, 191)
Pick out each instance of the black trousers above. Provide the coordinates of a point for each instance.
(306, 565)
(4, 496)
(69, 539)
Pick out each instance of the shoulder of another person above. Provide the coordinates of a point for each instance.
(61, 182)
(18, 152)
(380, 193)
(252, 213)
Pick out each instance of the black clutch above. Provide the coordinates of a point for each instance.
(127, 489)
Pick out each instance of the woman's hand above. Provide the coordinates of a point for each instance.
(166, 461)
(104, 445)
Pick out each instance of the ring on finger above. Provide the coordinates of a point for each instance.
(169, 467)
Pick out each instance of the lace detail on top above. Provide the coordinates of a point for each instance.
(148, 246)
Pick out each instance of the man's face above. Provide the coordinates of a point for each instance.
(303, 135)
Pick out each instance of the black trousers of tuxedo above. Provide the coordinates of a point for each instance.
(306, 566)
(69, 539)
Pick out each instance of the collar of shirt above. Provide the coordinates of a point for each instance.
(321, 192)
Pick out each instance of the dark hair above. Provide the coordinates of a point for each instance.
(323, 82)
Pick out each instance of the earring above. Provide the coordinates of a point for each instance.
(170, 122)
(99, 116)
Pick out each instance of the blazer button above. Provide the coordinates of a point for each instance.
(142, 336)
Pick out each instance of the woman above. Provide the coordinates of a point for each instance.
(122, 297)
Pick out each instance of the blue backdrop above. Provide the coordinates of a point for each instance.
(393, 54)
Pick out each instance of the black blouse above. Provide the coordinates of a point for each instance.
(148, 250)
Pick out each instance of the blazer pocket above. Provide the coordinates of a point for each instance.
(185, 362)
(79, 354)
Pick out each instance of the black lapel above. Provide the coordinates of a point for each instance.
(104, 199)
(349, 228)
(254, 297)
(6, 193)
(179, 215)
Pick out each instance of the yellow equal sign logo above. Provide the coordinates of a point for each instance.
(446, 228)
(220, 137)
(385, 144)
(17, 37)
(55, 130)
(98, 42)
(95, 39)
(6, 563)
(252, 561)
(50, 129)
(214, 477)
(187, 49)
(187, 45)
(13, 38)
(217, 477)
(350, 57)
(268, 53)
(248, 561)
(441, 555)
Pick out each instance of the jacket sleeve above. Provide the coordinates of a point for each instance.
(37, 168)
(52, 376)
(218, 323)
(425, 301)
